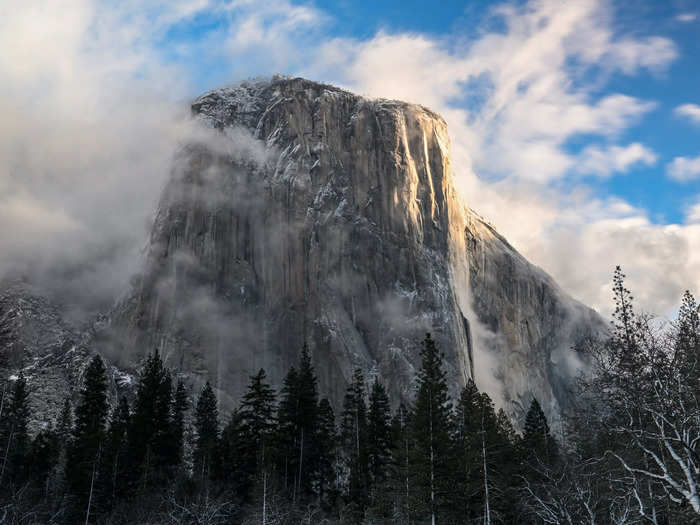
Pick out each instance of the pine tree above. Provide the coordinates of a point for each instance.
(327, 445)
(207, 427)
(484, 459)
(537, 441)
(148, 448)
(231, 468)
(84, 455)
(64, 435)
(400, 472)
(164, 442)
(180, 406)
(379, 448)
(298, 416)
(353, 436)
(257, 422)
(286, 430)
(115, 464)
(64, 427)
(14, 438)
(468, 469)
(432, 431)
(43, 457)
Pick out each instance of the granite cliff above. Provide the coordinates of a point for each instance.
(310, 215)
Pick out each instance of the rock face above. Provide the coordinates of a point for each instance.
(310, 215)
(34, 337)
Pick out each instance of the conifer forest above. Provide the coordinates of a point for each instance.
(626, 452)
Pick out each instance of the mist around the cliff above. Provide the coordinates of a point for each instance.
(92, 111)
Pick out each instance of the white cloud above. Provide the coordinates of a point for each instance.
(531, 102)
(692, 215)
(686, 17)
(684, 169)
(90, 115)
(653, 53)
(594, 160)
(92, 110)
(535, 86)
(691, 111)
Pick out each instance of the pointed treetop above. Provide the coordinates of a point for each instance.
(536, 426)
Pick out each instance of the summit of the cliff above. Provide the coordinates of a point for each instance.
(249, 99)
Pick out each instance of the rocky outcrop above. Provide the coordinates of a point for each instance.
(310, 215)
(36, 340)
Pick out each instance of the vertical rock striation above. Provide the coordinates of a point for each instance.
(308, 214)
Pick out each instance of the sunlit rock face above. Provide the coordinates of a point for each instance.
(310, 215)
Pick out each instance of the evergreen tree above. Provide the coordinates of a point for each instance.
(180, 406)
(537, 442)
(231, 468)
(207, 427)
(286, 427)
(432, 431)
(485, 460)
(327, 445)
(379, 449)
(64, 427)
(43, 457)
(14, 438)
(148, 446)
(115, 464)
(353, 435)
(468, 469)
(164, 442)
(400, 472)
(298, 415)
(64, 436)
(84, 455)
(257, 422)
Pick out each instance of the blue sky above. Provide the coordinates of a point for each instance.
(575, 126)
(666, 133)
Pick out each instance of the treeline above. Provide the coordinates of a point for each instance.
(275, 459)
(628, 453)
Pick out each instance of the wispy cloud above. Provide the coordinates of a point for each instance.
(690, 111)
(530, 89)
(91, 114)
(604, 162)
(684, 169)
(686, 17)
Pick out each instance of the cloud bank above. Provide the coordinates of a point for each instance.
(93, 96)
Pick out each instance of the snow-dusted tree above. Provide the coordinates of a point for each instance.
(645, 388)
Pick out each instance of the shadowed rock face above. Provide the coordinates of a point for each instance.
(36, 339)
(312, 215)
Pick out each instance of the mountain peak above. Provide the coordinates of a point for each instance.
(324, 218)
